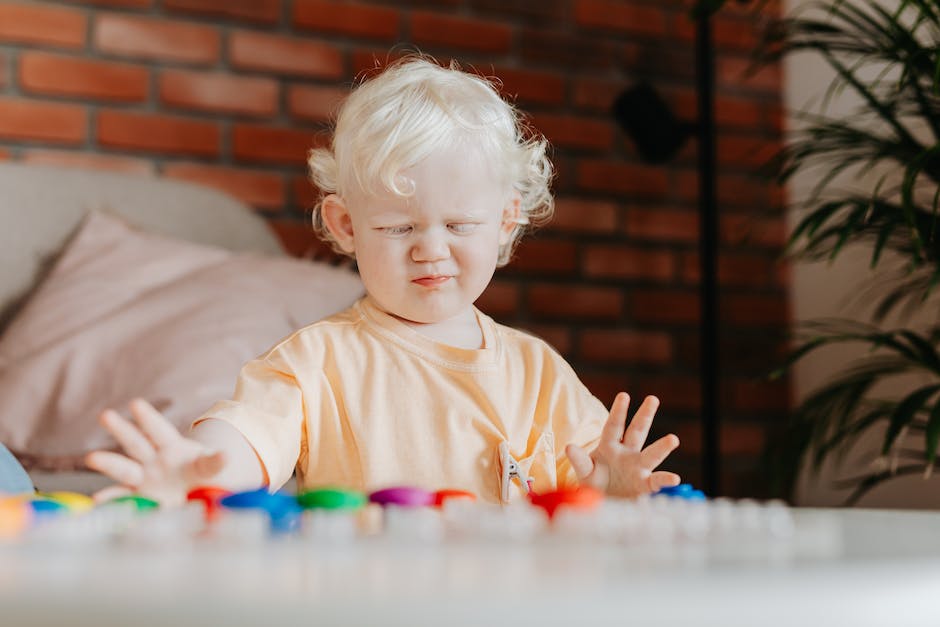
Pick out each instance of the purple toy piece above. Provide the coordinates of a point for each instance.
(403, 496)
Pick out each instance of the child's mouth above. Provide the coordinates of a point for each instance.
(431, 281)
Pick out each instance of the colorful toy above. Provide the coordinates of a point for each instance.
(403, 497)
(332, 498)
(582, 498)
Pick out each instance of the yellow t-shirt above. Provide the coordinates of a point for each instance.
(361, 400)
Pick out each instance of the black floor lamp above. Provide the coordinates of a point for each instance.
(658, 135)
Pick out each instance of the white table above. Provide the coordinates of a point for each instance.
(886, 572)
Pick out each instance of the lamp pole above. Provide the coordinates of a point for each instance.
(708, 248)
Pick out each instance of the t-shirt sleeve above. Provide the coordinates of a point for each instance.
(268, 409)
(577, 418)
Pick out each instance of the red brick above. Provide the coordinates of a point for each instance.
(748, 352)
(675, 393)
(217, 91)
(572, 131)
(737, 72)
(305, 194)
(629, 262)
(4, 154)
(730, 112)
(119, 4)
(500, 298)
(663, 225)
(541, 12)
(597, 94)
(348, 18)
(151, 38)
(589, 216)
(734, 438)
(262, 11)
(299, 240)
(557, 336)
(663, 307)
(621, 16)
(768, 232)
(755, 309)
(270, 144)
(734, 269)
(759, 396)
(774, 117)
(284, 55)
(746, 151)
(530, 86)
(33, 24)
(575, 51)
(783, 274)
(264, 190)
(312, 102)
(42, 121)
(545, 256)
(52, 74)
(728, 33)
(603, 385)
(459, 32)
(575, 302)
(158, 133)
(626, 178)
(3, 70)
(366, 63)
(626, 347)
(739, 191)
(89, 161)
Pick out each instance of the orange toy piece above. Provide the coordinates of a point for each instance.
(441, 496)
(14, 517)
(583, 498)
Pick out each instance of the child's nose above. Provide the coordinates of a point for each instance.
(430, 246)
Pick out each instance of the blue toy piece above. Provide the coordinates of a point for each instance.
(13, 478)
(283, 509)
(682, 491)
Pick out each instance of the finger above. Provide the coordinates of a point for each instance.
(134, 443)
(581, 462)
(657, 452)
(155, 425)
(662, 479)
(617, 421)
(205, 467)
(110, 493)
(116, 466)
(639, 427)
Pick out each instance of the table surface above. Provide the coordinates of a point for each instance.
(851, 567)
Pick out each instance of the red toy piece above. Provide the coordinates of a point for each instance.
(210, 497)
(583, 498)
(446, 495)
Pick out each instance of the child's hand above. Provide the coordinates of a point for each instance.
(159, 463)
(620, 465)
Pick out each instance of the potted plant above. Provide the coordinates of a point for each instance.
(890, 58)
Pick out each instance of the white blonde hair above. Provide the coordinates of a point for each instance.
(393, 121)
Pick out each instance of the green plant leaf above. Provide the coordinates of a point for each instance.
(932, 435)
(905, 412)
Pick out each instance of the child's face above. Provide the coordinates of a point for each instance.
(426, 258)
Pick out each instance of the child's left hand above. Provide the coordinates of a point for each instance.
(620, 466)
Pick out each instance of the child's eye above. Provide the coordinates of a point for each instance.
(402, 229)
(462, 227)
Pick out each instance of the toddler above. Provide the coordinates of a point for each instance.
(428, 184)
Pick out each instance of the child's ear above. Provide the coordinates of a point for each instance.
(338, 222)
(512, 214)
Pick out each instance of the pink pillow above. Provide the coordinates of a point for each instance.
(127, 314)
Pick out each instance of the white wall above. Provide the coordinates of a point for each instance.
(831, 290)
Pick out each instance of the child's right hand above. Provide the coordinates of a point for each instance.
(159, 463)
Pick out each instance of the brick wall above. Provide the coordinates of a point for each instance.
(232, 94)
